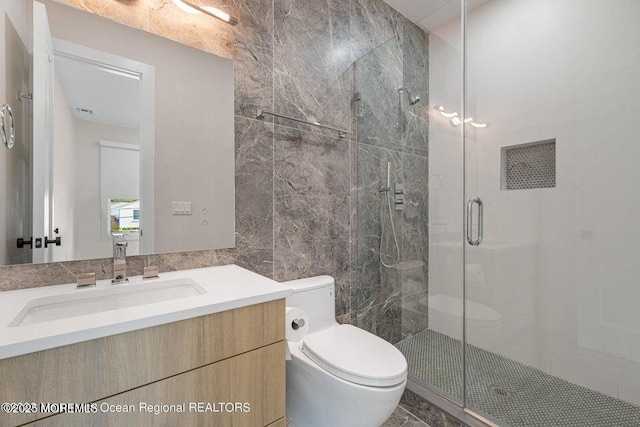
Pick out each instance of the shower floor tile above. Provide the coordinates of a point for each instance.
(512, 392)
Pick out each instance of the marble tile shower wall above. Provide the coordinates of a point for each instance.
(296, 186)
(392, 302)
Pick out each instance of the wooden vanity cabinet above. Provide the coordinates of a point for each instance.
(205, 363)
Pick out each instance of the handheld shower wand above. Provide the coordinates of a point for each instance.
(387, 190)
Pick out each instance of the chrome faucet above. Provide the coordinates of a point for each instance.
(119, 259)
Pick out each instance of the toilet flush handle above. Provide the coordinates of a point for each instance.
(297, 324)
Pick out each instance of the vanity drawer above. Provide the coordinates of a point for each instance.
(256, 378)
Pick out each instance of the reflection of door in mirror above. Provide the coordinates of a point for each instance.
(15, 192)
(99, 142)
(43, 75)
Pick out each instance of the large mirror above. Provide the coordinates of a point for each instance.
(118, 132)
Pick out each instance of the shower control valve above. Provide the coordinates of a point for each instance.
(399, 196)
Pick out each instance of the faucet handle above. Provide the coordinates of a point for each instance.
(150, 272)
(86, 279)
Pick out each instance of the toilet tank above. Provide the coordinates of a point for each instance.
(317, 297)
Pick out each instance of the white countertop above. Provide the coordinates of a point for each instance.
(228, 287)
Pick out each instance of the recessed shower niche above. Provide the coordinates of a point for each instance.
(529, 166)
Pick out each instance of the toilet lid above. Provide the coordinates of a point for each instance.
(356, 355)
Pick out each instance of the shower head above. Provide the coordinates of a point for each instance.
(413, 100)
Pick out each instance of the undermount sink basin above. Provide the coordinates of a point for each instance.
(90, 301)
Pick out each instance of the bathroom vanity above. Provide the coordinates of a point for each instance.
(195, 354)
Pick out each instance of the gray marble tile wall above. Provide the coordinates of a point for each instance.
(297, 186)
(311, 205)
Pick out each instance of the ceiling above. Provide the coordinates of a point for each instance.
(432, 14)
(112, 96)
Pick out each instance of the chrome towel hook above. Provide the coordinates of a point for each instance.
(10, 138)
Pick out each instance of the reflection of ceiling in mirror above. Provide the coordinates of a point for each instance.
(99, 93)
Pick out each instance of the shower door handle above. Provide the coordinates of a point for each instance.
(470, 203)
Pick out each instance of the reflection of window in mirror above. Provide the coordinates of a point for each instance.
(124, 216)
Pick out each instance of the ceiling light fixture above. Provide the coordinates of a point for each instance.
(187, 6)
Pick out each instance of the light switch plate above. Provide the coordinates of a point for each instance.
(182, 208)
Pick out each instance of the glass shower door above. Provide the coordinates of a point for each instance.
(435, 356)
(407, 267)
(552, 329)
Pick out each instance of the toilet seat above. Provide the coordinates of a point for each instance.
(356, 355)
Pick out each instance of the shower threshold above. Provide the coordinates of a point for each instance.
(512, 392)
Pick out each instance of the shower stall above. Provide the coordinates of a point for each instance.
(512, 191)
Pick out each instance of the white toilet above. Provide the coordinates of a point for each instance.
(339, 375)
